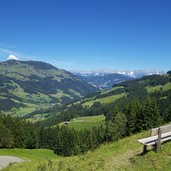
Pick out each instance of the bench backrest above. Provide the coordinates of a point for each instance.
(163, 129)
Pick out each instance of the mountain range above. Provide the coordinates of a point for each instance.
(33, 83)
(26, 86)
(129, 73)
(106, 79)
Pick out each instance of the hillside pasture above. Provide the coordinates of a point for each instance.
(85, 122)
(151, 89)
(104, 100)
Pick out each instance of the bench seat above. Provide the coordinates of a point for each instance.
(153, 140)
(158, 135)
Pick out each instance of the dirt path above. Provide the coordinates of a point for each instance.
(6, 160)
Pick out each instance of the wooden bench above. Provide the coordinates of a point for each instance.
(158, 135)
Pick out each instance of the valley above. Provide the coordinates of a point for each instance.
(62, 135)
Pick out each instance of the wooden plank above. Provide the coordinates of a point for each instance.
(165, 129)
(152, 143)
(150, 140)
(154, 131)
(166, 139)
(145, 140)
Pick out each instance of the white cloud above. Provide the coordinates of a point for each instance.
(12, 57)
(19, 56)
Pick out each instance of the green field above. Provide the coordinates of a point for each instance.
(35, 157)
(86, 122)
(165, 87)
(24, 110)
(122, 155)
(110, 90)
(103, 100)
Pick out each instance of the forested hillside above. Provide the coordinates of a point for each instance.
(29, 85)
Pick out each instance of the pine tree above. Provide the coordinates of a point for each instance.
(6, 139)
(116, 128)
(149, 116)
(131, 111)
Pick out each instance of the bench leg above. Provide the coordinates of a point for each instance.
(145, 149)
(159, 141)
(158, 146)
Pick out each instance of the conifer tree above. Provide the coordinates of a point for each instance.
(6, 139)
(116, 128)
(131, 111)
(149, 116)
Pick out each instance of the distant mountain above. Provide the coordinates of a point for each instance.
(106, 79)
(129, 73)
(33, 84)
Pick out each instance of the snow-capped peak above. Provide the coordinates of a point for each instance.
(132, 74)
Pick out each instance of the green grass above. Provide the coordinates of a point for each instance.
(24, 110)
(38, 117)
(165, 87)
(35, 157)
(124, 154)
(86, 122)
(112, 89)
(104, 100)
(28, 108)
(31, 98)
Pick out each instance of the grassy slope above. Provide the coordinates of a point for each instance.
(86, 122)
(36, 156)
(107, 99)
(122, 155)
(165, 87)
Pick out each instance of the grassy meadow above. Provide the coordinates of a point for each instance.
(165, 87)
(86, 122)
(104, 100)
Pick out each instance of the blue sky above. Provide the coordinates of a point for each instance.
(88, 34)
